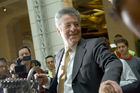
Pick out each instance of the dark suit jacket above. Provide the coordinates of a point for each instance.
(93, 63)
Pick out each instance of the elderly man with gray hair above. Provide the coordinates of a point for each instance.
(82, 66)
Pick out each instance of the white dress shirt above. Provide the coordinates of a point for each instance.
(68, 82)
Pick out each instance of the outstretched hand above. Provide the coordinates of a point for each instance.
(110, 87)
(42, 79)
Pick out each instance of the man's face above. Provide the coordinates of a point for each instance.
(122, 48)
(3, 69)
(131, 15)
(24, 52)
(69, 30)
(50, 63)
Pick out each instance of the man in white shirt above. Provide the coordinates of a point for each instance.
(130, 79)
(91, 65)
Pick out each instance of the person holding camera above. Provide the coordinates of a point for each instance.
(23, 64)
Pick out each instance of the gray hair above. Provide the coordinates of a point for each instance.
(66, 11)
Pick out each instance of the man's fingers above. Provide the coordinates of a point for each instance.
(42, 78)
(106, 88)
(115, 85)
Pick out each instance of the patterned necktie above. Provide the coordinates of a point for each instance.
(63, 71)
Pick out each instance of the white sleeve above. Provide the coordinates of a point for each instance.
(127, 76)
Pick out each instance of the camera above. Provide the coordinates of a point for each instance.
(20, 69)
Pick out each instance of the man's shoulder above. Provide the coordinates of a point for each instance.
(94, 41)
(137, 58)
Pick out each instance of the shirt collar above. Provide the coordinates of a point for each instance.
(72, 48)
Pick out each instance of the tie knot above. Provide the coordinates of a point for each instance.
(67, 50)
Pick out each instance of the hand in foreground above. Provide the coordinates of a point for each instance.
(42, 79)
(110, 87)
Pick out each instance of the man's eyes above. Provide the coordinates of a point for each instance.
(122, 47)
(69, 25)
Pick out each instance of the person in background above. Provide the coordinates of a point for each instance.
(24, 55)
(23, 52)
(130, 79)
(50, 65)
(36, 63)
(3, 70)
(116, 38)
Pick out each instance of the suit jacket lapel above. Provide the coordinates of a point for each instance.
(80, 51)
(58, 60)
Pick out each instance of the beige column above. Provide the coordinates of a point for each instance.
(45, 38)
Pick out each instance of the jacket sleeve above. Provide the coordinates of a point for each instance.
(107, 61)
(132, 88)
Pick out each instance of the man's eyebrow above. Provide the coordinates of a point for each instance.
(67, 23)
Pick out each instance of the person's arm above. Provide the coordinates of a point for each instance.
(110, 86)
(47, 86)
(43, 79)
(107, 61)
(132, 87)
(111, 66)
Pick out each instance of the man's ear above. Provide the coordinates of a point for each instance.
(58, 31)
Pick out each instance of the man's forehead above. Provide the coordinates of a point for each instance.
(69, 17)
(49, 58)
(24, 50)
(121, 44)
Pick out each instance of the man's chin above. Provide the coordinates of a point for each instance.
(73, 42)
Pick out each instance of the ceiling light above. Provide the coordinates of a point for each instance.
(4, 9)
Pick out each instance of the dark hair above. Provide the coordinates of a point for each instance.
(37, 63)
(122, 40)
(22, 47)
(49, 56)
(2, 59)
(117, 37)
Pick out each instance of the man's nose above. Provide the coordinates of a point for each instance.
(73, 27)
(121, 48)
